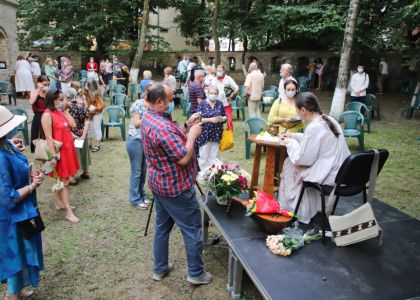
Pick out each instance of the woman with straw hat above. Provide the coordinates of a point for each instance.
(21, 258)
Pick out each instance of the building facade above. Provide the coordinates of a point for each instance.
(9, 48)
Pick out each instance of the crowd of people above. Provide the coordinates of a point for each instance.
(166, 155)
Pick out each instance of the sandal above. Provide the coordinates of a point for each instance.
(73, 182)
(96, 148)
(85, 175)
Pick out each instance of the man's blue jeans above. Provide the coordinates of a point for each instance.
(138, 170)
(183, 210)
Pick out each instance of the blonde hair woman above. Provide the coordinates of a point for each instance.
(96, 106)
(147, 78)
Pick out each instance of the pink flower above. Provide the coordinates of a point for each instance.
(231, 167)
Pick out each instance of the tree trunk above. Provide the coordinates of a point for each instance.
(135, 67)
(337, 105)
(214, 31)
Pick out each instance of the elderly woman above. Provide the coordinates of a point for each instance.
(314, 156)
(212, 115)
(96, 107)
(283, 110)
(66, 74)
(20, 257)
(169, 79)
(134, 145)
(78, 110)
(56, 123)
(147, 78)
(23, 76)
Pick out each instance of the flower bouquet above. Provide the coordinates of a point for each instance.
(225, 180)
(58, 184)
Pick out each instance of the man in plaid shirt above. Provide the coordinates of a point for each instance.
(172, 170)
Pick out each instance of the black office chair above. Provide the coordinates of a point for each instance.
(351, 179)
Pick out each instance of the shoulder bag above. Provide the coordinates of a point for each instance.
(360, 224)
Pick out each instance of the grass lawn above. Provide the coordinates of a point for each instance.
(106, 256)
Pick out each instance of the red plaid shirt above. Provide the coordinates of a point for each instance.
(164, 146)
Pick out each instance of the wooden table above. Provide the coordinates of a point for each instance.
(270, 165)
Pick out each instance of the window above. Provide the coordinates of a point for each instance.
(232, 63)
(276, 63)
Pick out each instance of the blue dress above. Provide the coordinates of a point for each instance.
(210, 132)
(20, 259)
(144, 83)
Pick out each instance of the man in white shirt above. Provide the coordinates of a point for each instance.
(286, 72)
(254, 86)
(222, 81)
(359, 83)
(182, 66)
(35, 69)
(383, 75)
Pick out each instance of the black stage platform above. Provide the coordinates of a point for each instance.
(317, 271)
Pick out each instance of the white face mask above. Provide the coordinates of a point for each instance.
(60, 105)
(45, 88)
(360, 70)
(290, 94)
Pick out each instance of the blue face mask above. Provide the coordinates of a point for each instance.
(281, 74)
(212, 97)
(171, 107)
(219, 74)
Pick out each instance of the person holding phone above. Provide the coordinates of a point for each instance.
(21, 259)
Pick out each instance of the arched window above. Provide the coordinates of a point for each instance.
(232, 64)
(276, 63)
(301, 67)
(212, 61)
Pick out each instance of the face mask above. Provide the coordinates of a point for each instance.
(45, 88)
(91, 60)
(60, 105)
(219, 74)
(170, 107)
(360, 70)
(212, 98)
(281, 74)
(290, 94)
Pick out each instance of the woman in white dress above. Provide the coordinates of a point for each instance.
(24, 82)
(315, 156)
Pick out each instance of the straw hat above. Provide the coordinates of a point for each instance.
(8, 121)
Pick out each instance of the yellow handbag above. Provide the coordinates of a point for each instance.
(227, 140)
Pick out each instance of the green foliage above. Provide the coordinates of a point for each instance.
(75, 25)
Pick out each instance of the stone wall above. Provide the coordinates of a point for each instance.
(271, 61)
(9, 48)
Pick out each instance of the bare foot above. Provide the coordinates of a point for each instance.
(63, 208)
(71, 218)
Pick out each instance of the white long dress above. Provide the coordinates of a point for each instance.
(24, 81)
(314, 156)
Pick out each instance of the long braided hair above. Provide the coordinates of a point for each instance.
(310, 102)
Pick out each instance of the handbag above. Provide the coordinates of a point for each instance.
(360, 224)
(41, 149)
(29, 227)
(227, 139)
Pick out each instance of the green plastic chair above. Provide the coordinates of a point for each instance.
(188, 110)
(268, 94)
(23, 127)
(411, 108)
(82, 74)
(116, 118)
(252, 126)
(374, 105)
(241, 91)
(361, 108)
(239, 105)
(135, 91)
(7, 89)
(353, 126)
(303, 84)
(121, 100)
(118, 89)
(274, 88)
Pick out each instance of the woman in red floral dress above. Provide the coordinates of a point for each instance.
(56, 124)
